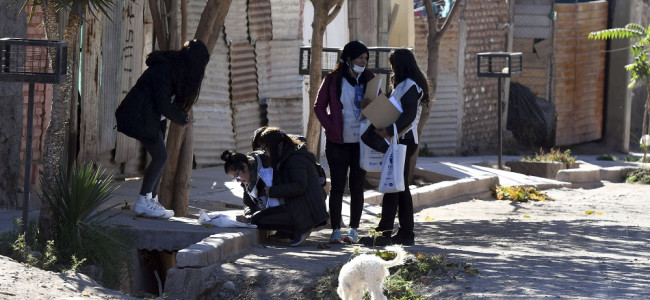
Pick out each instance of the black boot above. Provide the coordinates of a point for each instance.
(403, 238)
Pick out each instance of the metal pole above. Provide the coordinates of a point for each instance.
(28, 156)
(500, 130)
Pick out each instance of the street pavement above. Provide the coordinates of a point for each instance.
(214, 191)
(211, 189)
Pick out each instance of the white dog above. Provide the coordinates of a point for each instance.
(367, 272)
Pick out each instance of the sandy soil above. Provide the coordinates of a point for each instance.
(588, 243)
(20, 282)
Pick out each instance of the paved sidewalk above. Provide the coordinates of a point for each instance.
(211, 189)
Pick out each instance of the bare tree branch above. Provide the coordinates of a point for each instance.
(183, 21)
(332, 15)
(172, 7)
(157, 25)
(450, 16)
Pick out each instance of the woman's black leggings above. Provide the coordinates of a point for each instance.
(399, 201)
(154, 171)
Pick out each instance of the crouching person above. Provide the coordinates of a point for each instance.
(296, 181)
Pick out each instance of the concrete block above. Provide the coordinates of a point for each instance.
(212, 250)
(615, 174)
(235, 242)
(189, 283)
(534, 168)
(581, 175)
(373, 197)
(191, 257)
(434, 194)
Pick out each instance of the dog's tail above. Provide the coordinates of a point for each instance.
(400, 255)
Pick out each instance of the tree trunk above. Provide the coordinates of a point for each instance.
(211, 22)
(322, 17)
(315, 76)
(183, 21)
(175, 185)
(172, 20)
(55, 136)
(646, 110)
(159, 32)
(644, 128)
(433, 52)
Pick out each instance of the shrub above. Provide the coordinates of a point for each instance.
(607, 157)
(518, 193)
(640, 175)
(82, 233)
(555, 155)
(24, 247)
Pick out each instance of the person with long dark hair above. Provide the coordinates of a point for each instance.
(338, 108)
(296, 181)
(410, 87)
(167, 89)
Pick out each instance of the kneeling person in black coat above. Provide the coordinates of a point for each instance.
(296, 181)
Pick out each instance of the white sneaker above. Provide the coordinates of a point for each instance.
(147, 208)
(168, 212)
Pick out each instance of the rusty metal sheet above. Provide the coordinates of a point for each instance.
(285, 113)
(277, 67)
(287, 19)
(213, 129)
(259, 20)
(244, 102)
(236, 23)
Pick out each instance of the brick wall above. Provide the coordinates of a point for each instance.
(485, 21)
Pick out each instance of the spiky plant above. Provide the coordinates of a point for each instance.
(640, 68)
(79, 204)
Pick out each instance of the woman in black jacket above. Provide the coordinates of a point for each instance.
(410, 87)
(297, 182)
(167, 89)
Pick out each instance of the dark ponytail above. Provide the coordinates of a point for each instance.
(234, 161)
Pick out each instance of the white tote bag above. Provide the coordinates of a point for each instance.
(369, 159)
(392, 172)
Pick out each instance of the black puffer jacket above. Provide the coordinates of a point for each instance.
(139, 114)
(298, 183)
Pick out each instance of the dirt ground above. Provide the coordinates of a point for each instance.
(587, 243)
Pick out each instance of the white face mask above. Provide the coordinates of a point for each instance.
(358, 69)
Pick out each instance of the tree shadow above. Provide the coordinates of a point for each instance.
(537, 259)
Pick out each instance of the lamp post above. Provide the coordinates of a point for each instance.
(26, 60)
(500, 65)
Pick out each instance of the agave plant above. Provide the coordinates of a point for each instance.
(76, 199)
(640, 68)
(79, 205)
